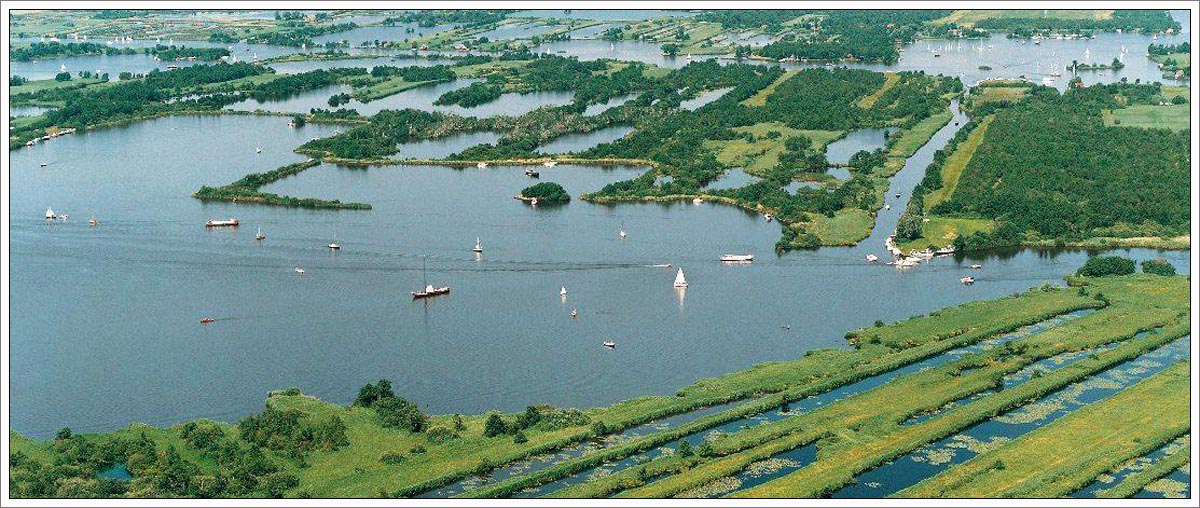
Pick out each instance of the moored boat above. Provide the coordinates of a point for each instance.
(549, 164)
(871, 258)
(228, 223)
(429, 290)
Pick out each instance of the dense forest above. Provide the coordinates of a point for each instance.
(188, 53)
(56, 49)
(1050, 169)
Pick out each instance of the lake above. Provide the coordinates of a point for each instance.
(111, 313)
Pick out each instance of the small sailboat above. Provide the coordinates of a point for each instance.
(478, 246)
(622, 231)
(259, 235)
(50, 214)
(257, 149)
(574, 312)
(680, 280)
(563, 292)
(334, 245)
(871, 258)
(206, 320)
(610, 344)
(429, 289)
(967, 281)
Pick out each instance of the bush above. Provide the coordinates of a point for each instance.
(1158, 267)
(520, 438)
(391, 458)
(1103, 266)
(546, 192)
(494, 426)
(440, 434)
(685, 448)
(397, 412)
(369, 393)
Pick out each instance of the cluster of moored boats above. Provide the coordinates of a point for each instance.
(48, 137)
(900, 259)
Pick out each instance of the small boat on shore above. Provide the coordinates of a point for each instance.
(228, 223)
(481, 165)
(769, 217)
(696, 201)
(680, 280)
(737, 258)
(967, 281)
(549, 164)
(945, 251)
(871, 258)
(533, 202)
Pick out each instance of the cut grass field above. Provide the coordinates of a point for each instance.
(941, 231)
(1176, 117)
(1062, 457)
(762, 154)
(955, 163)
(1182, 60)
(889, 80)
(759, 99)
(385, 88)
(847, 227)
(968, 18)
(986, 94)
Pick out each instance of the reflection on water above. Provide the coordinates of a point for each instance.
(839, 152)
(581, 142)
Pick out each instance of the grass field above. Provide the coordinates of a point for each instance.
(986, 94)
(46, 84)
(955, 164)
(941, 231)
(847, 227)
(889, 80)
(762, 154)
(1175, 117)
(760, 99)
(1182, 60)
(910, 140)
(1062, 457)
(1138, 480)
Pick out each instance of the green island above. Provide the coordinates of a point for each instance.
(1175, 60)
(545, 192)
(381, 444)
(988, 187)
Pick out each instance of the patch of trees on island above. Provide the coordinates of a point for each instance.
(546, 192)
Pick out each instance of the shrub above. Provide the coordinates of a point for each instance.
(1103, 266)
(440, 434)
(397, 412)
(392, 458)
(1158, 267)
(494, 426)
(519, 437)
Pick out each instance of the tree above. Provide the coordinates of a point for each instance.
(494, 426)
(369, 393)
(685, 448)
(62, 76)
(520, 438)
(299, 120)
(670, 49)
(459, 426)
(397, 412)
(63, 433)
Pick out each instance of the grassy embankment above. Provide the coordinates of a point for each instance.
(1139, 480)
(1138, 303)
(246, 190)
(1062, 457)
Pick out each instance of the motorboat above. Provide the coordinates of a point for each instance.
(610, 344)
(206, 320)
(696, 201)
(259, 235)
(967, 281)
(976, 266)
(737, 258)
(549, 164)
(228, 223)
(871, 258)
(429, 290)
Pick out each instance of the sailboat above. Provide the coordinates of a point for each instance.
(622, 230)
(478, 246)
(429, 289)
(50, 214)
(259, 235)
(257, 149)
(334, 245)
(563, 292)
(680, 280)
(299, 270)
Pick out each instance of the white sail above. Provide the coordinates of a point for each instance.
(680, 280)
(563, 291)
(49, 213)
